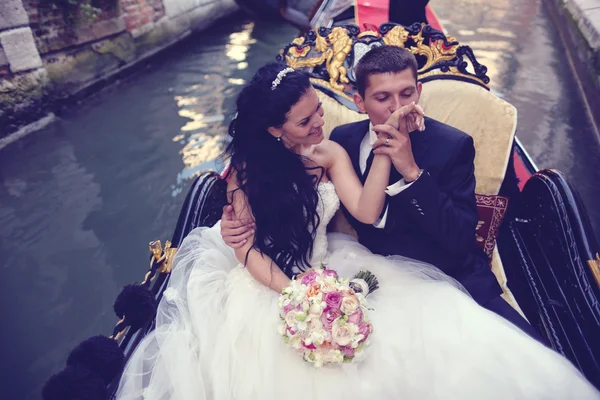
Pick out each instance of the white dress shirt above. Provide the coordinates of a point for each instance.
(366, 146)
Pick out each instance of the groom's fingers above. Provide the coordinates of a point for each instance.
(381, 142)
(238, 241)
(387, 129)
(388, 151)
(235, 232)
(236, 237)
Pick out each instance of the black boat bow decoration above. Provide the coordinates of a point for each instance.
(330, 55)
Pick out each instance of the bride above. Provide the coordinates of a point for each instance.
(216, 333)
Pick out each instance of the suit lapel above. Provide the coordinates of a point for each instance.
(418, 141)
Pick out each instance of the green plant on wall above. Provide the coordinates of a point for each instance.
(74, 11)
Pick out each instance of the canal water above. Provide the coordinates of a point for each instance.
(80, 200)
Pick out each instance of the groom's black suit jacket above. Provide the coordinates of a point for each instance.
(434, 219)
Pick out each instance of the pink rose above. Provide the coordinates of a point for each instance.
(288, 308)
(348, 351)
(328, 316)
(309, 347)
(309, 278)
(365, 329)
(333, 300)
(356, 318)
(329, 272)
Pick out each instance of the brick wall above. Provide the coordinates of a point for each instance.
(138, 13)
(51, 31)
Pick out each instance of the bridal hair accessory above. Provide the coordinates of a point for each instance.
(280, 76)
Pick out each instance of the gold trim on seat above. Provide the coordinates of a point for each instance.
(595, 268)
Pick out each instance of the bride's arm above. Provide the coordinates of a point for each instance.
(365, 203)
(260, 266)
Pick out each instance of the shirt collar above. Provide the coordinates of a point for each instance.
(372, 134)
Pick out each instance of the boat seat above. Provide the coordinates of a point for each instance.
(491, 122)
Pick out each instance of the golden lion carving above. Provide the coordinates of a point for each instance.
(334, 49)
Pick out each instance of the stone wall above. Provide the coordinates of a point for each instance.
(578, 22)
(46, 56)
(23, 79)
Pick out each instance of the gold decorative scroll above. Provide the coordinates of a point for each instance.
(167, 265)
(452, 71)
(120, 334)
(595, 268)
(435, 51)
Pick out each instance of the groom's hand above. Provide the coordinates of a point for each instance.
(235, 232)
(393, 140)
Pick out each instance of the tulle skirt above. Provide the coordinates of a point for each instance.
(216, 338)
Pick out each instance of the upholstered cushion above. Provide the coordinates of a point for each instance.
(491, 122)
(491, 210)
(336, 114)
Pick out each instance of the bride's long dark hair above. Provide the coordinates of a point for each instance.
(282, 194)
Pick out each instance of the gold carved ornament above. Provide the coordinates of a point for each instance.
(164, 258)
(595, 268)
(397, 36)
(334, 49)
(435, 51)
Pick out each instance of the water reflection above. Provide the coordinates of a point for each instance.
(203, 104)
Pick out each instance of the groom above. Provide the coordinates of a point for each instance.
(431, 213)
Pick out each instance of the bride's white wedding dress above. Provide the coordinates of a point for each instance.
(216, 336)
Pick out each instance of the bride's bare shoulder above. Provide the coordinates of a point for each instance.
(330, 150)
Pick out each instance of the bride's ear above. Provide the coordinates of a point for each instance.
(276, 132)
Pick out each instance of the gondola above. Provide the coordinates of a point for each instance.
(533, 225)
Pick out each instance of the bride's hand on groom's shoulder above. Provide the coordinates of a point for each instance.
(235, 232)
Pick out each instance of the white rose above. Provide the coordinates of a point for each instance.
(342, 332)
(299, 296)
(315, 324)
(349, 305)
(302, 326)
(305, 306)
(317, 306)
(317, 337)
(290, 318)
(296, 342)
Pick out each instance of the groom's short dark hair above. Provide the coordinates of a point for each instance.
(381, 60)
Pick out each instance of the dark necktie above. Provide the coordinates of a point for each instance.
(368, 168)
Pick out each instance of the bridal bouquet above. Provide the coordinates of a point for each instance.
(325, 318)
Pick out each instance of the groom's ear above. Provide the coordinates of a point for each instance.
(360, 102)
(419, 88)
